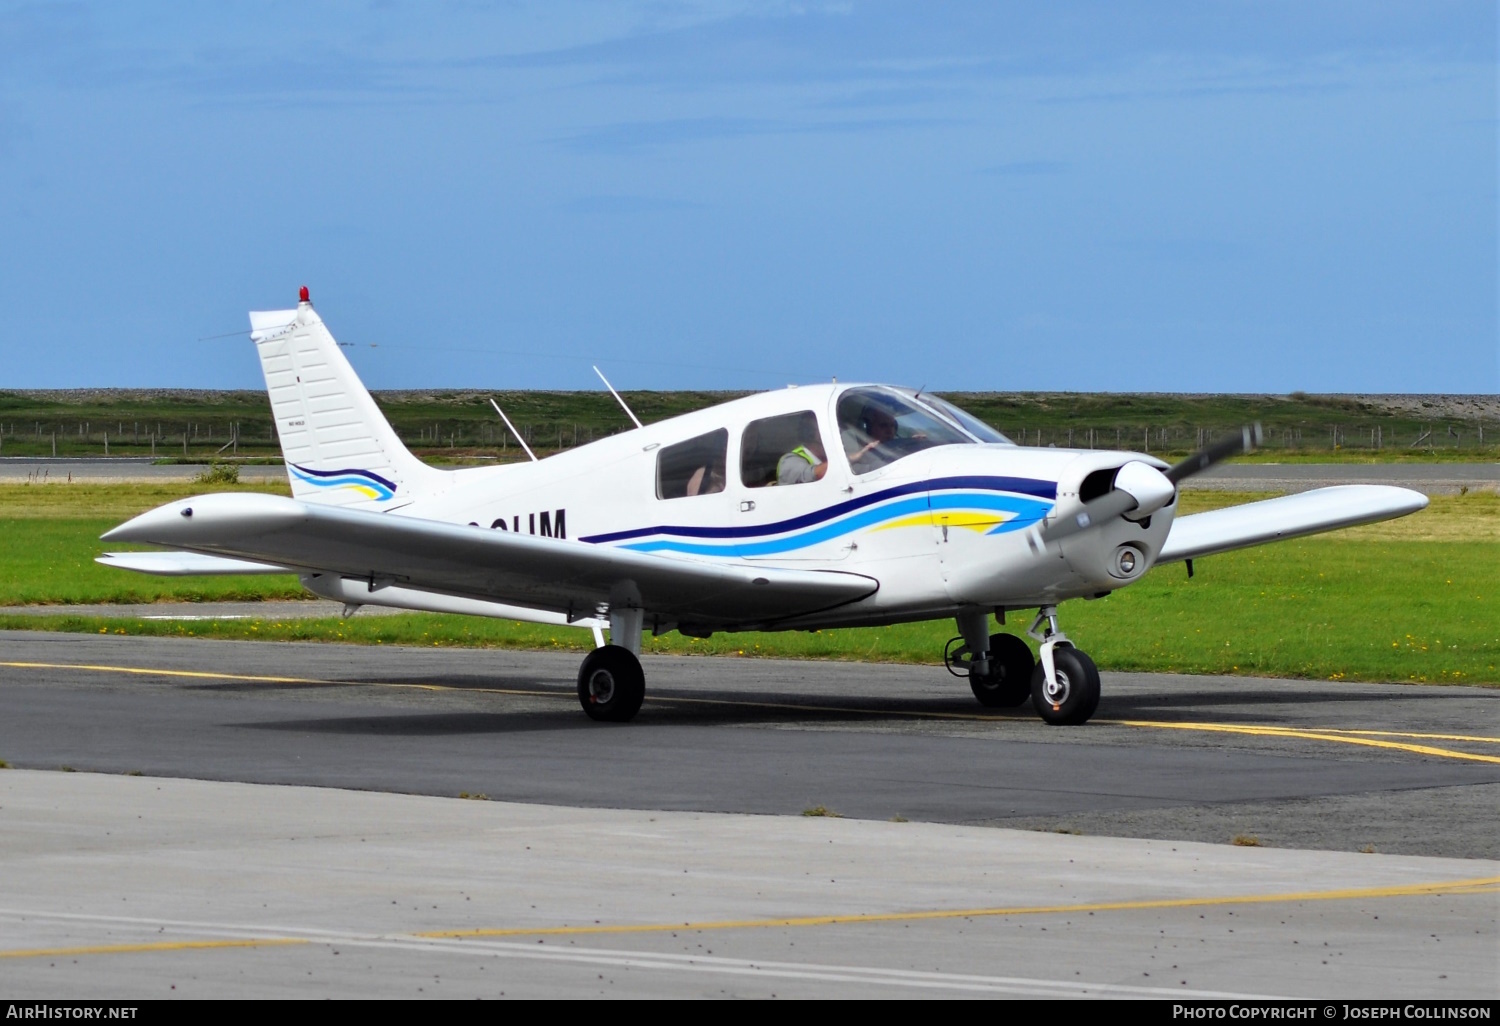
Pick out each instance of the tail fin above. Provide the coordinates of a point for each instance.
(339, 448)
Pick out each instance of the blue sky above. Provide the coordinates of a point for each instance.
(1196, 196)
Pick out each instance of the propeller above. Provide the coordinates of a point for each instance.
(1138, 486)
(1249, 437)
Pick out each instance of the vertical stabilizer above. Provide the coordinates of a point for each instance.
(339, 448)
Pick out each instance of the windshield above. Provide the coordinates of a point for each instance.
(879, 426)
(964, 419)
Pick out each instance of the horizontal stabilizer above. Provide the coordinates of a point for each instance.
(536, 572)
(1290, 516)
(185, 564)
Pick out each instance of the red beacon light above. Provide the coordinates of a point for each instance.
(303, 296)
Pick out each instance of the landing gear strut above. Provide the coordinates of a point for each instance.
(1065, 682)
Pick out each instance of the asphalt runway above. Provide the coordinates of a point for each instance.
(1271, 758)
(297, 800)
(1428, 478)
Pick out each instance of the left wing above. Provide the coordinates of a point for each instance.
(1290, 516)
(568, 577)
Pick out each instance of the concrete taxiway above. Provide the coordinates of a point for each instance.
(133, 887)
(297, 830)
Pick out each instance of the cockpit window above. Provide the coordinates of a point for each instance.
(964, 419)
(879, 426)
(694, 467)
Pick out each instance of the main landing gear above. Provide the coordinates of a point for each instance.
(1063, 685)
(611, 683)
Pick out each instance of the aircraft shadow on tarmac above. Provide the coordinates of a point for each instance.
(698, 708)
(428, 724)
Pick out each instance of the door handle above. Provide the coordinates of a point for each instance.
(747, 505)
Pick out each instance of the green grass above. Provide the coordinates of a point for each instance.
(49, 536)
(52, 561)
(1409, 600)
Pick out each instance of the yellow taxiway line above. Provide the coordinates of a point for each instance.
(1366, 738)
(1478, 885)
(1317, 734)
(130, 949)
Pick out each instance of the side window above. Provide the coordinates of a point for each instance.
(782, 450)
(694, 467)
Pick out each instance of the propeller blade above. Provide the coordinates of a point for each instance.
(1095, 511)
(1249, 437)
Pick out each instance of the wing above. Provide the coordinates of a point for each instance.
(563, 576)
(1290, 516)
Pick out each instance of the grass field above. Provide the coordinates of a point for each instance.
(1409, 600)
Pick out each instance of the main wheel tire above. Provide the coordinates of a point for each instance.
(611, 684)
(1077, 693)
(1008, 684)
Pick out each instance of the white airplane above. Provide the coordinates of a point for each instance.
(836, 505)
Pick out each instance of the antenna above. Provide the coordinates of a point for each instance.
(513, 430)
(612, 392)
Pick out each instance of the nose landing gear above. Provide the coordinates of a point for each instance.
(1065, 682)
(1063, 686)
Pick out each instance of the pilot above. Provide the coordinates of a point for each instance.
(879, 427)
(803, 465)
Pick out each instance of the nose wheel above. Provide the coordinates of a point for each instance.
(1065, 682)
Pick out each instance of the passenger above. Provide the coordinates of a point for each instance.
(803, 465)
(863, 441)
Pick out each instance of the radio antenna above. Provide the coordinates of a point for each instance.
(513, 430)
(612, 392)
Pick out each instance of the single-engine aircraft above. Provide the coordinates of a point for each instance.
(835, 505)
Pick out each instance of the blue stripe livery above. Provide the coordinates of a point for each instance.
(1019, 501)
(372, 485)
